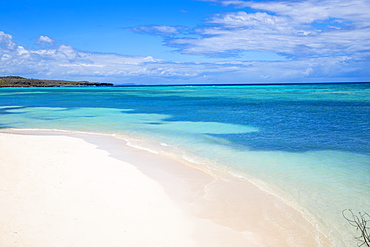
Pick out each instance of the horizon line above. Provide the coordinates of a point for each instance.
(236, 84)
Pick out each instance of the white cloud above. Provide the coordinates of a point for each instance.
(66, 52)
(242, 19)
(157, 29)
(45, 39)
(307, 11)
(165, 29)
(293, 28)
(6, 42)
(66, 62)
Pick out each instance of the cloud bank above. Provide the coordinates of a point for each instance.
(295, 29)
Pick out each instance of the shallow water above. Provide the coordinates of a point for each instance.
(309, 144)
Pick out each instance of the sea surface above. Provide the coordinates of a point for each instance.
(308, 144)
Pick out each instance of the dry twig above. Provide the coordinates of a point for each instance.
(360, 222)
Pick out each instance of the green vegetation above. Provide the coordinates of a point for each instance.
(17, 81)
(360, 222)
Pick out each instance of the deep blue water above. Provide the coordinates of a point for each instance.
(310, 141)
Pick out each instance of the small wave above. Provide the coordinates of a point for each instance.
(137, 146)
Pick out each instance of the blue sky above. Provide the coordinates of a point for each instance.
(186, 41)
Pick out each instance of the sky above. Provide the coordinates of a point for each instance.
(186, 41)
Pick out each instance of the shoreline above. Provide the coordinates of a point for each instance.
(218, 211)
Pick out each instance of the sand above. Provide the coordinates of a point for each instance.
(65, 189)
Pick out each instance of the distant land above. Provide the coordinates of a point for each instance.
(17, 81)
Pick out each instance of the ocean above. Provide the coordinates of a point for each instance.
(306, 143)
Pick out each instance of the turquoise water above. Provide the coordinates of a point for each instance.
(309, 144)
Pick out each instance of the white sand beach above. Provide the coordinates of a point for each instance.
(79, 190)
